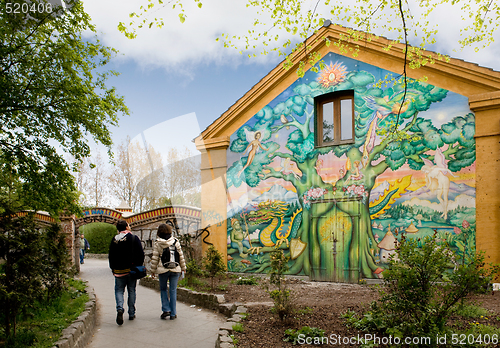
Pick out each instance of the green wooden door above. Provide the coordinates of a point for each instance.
(335, 230)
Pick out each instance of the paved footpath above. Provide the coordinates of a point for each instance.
(192, 328)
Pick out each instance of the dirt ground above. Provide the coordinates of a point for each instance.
(318, 304)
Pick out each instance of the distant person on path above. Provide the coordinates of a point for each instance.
(168, 262)
(84, 245)
(125, 251)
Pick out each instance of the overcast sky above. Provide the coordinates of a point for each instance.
(181, 70)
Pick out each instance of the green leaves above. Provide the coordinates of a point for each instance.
(421, 289)
(55, 99)
(130, 29)
(213, 263)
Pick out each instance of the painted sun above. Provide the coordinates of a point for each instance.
(332, 75)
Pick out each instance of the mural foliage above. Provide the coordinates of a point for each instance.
(337, 211)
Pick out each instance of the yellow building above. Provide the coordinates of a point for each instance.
(286, 142)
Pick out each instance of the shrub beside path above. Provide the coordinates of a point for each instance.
(192, 328)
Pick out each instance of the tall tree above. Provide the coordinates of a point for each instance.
(34, 265)
(137, 177)
(123, 178)
(150, 188)
(96, 189)
(53, 94)
(182, 177)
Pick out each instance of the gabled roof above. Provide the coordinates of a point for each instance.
(455, 75)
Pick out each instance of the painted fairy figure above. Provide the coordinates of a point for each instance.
(356, 175)
(253, 146)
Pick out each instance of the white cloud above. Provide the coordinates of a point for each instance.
(255, 234)
(460, 200)
(178, 46)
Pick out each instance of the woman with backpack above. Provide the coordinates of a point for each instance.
(168, 262)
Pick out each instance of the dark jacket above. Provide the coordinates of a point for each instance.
(125, 251)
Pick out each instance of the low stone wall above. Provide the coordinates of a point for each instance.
(233, 311)
(80, 332)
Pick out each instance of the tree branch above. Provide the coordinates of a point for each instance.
(405, 30)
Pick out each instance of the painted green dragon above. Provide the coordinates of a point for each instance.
(274, 234)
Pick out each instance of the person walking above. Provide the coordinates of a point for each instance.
(168, 262)
(84, 245)
(125, 252)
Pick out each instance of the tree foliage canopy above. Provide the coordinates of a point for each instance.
(282, 26)
(52, 96)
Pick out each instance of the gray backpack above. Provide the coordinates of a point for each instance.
(170, 257)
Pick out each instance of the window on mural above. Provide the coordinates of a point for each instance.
(335, 118)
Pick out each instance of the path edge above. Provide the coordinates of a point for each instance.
(81, 331)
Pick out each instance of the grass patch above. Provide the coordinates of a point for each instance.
(234, 339)
(304, 311)
(470, 311)
(247, 281)
(222, 287)
(41, 326)
(238, 327)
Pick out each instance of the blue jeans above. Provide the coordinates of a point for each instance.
(82, 255)
(168, 299)
(120, 284)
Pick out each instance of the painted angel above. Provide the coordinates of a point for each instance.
(253, 145)
(436, 179)
(288, 167)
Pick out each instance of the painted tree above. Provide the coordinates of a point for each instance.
(387, 153)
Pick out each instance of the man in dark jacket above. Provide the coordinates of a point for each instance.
(125, 251)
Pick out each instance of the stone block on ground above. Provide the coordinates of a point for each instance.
(228, 325)
(226, 345)
(223, 332)
(241, 309)
(236, 318)
(62, 344)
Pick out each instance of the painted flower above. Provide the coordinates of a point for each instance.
(359, 190)
(457, 230)
(332, 75)
(465, 224)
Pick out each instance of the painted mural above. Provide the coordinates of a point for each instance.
(338, 211)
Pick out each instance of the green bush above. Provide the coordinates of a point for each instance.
(99, 235)
(42, 323)
(247, 281)
(213, 264)
(35, 267)
(421, 292)
(282, 307)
